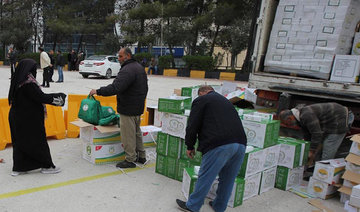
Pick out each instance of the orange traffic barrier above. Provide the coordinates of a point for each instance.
(74, 102)
(227, 76)
(197, 74)
(170, 72)
(54, 123)
(65, 119)
(5, 137)
(1, 63)
(144, 119)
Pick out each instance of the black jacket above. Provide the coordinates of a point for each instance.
(60, 60)
(130, 87)
(214, 120)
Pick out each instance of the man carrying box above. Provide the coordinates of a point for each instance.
(130, 87)
(222, 142)
(324, 124)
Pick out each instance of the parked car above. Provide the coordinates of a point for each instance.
(100, 65)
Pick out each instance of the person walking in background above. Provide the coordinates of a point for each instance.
(222, 142)
(130, 87)
(153, 66)
(59, 64)
(45, 64)
(12, 57)
(26, 118)
(79, 58)
(69, 61)
(52, 61)
(73, 60)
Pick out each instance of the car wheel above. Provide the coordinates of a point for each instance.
(85, 75)
(108, 74)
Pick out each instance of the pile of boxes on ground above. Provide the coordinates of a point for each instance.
(269, 161)
(350, 189)
(306, 35)
(102, 144)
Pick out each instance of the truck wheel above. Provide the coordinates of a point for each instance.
(85, 75)
(108, 74)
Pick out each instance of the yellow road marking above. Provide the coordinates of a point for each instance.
(70, 182)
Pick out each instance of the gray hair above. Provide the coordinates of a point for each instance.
(205, 88)
(127, 51)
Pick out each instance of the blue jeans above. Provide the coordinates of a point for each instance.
(61, 76)
(224, 161)
(154, 68)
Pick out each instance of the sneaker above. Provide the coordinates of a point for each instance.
(50, 170)
(14, 173)
(125, 164)
(182, 205)
(141, 160)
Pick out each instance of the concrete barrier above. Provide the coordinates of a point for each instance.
(197, 74)
(227, 76)
(170, 72)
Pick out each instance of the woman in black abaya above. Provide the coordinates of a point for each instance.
(26, 117)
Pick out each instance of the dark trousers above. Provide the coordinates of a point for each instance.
(12, 66)
(51, 74)
(46, 77)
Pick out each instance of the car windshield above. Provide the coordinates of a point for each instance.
(96, 57)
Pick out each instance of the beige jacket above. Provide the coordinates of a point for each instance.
(44, 60)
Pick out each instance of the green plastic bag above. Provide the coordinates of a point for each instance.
(90, 110)
(106, 111)
(110, 120)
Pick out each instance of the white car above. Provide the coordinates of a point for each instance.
(100, 65)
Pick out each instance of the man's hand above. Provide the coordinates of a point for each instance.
(92, 92)
(190, 153)
(311, 158)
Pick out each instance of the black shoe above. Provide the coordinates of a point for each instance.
(210, 203)
(182, 205)
(125, 164)
(141, 160)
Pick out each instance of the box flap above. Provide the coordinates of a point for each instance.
(352, 158)
(317, 203)
(345, 190)
(351, 176)
(356, 138)
(81, 123)
(107, 129)
(340, 162)
(177, 92)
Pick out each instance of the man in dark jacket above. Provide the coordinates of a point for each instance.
(324, 124)
(130, 87)
(52, 59)
(222, 142)
(59, 64)
(12, 58)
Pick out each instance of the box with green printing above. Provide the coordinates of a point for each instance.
(170, 168)
(275, 131)
(290, 153)
(236, 198)
(188, 182)
(261, 134)
(198, 155)
(161, 143)
(174, 146)
(253, 162)
(190, 92)
(174, 104)
(181, 164)
(160, 164)
(287, 178)
(305, 147)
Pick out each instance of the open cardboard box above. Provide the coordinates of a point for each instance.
(355, 147)
(98, 134)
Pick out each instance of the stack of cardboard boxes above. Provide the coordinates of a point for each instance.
(171, 149)
(351, 176)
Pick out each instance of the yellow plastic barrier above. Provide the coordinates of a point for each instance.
(5, 137)
(74, 102)
(227, 76)
(66, 67)
(65, 119)
(1, 63)
(197, 74)
(54, 123)
(144, 119)
(170, 72)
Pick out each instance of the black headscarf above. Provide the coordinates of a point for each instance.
(22, 70)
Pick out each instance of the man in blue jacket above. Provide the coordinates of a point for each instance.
(130, 87)
(222, 142)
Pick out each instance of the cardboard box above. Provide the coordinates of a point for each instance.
(290, 153)
(180, 166)
(355, 146)
(321, 189)
(188, 182)
(349, 184)
(98, 134)
(160, 164)
(252, 186)
(344, 197)
(174, 104)
(166, 166)
(355, 201)
(190, 92)
(351, 176)
(174, 146)
(350, 208)
(268, 178)
(103, 154)
(157, 117)
(253, 162)
(174, 124)
(356, 44)
(237, 193)
(161, 143)
(261, 134)
(287, 178)
(149, 134)
(271, 155)
(304, 155)
(329, 171)
(197, 157)
(346, 68)
(356, 191)
(353, 163)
